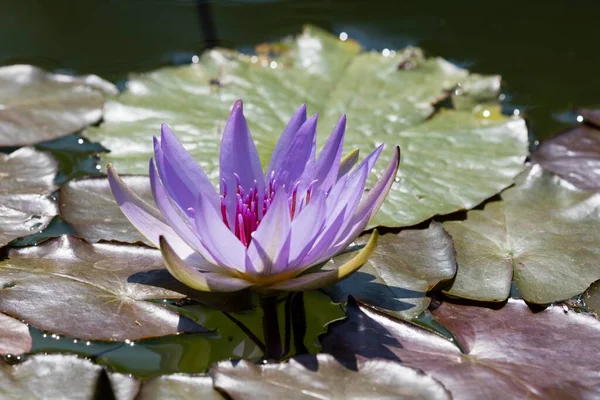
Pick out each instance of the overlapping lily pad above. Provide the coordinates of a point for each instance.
(14, 336)
(90, 208)
(36, 105)
(402, 269)
(322, 377)
(544, 234)
(454, 160)
(575, 154)
(26, 181)
(509, 353)
(69, 287)
(62, 377)
(184, 387)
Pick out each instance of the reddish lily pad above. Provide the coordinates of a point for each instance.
(36, 105)
(403, 267)
(26, 181)
(14, 336)
(509, 352)
(574, 155)
(95, 292)
(62, 377)
(179, 386)
(322, 377)
(90, 208)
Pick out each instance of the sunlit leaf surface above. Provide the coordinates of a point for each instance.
(14, 336)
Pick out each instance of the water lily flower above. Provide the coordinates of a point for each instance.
(264, 231)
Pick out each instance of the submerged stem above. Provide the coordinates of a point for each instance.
(270, 322)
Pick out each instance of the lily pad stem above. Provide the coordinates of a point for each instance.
(270, 322)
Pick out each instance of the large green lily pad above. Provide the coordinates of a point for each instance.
(508, 353)
(90, 208)
(62, 377)
(545, 235)
(399, 273)
(36, 105)
(26, 181)
(451, 160)
(322, 377)
(72, 288)
(14, 336)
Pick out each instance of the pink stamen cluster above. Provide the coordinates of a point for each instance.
(251, 207)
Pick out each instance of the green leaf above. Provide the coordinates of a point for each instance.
(451, 160)
(399, 273)
(14, 335)
(26, 181)
(322, 377)
(592, 297)
(62, 377)
(544, 235)
(72, 288)
(184, 387)
(509, 353)
(90, 208)
(36, 105)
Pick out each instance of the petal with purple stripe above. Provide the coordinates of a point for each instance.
(283, 144)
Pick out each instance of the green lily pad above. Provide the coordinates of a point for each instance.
(184, 387)
(322, 377)
(72, 288)
(592, 297)
(399, 273)
(62, 377)
(574, 155)
(509, 353)
(545, 235)
(451, 160)
(14, 335)
(90, 208)
(26, 181)
(36, 105)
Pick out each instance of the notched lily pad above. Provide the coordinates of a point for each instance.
(574, 155)
(26, 181)
(402, 269)
(321, 376)
(14, 335)
(179, 386)
(90, 208)
(454, 160)
(545, 235)
(509, 352)
(36, 105)
(62, 377)
(96, 292)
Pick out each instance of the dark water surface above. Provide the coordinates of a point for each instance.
(547, 51)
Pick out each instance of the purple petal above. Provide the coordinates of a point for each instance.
(318, 280)
(347, 163)
(238, 154)
(299, 156)
(328, 163)
(181, 175)
(175, 216)
(283, 144)
(190, 276)
(224, 247)
(269, 248)
(143, 216)
(305, 229)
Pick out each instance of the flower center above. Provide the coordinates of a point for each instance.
(252, 206)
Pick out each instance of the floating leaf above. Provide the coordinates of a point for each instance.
(402, 269)
(90, 208)
(509, 353)
(574, 155)
(592, 297)
(322, 377)
(14, 335)
(69, 287)
(26, 180)
(36, 105)
(544, 235)
(184, 387)
(450, 160)
(62, 377)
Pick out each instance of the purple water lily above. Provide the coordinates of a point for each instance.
(262, 231)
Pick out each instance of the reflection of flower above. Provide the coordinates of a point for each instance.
(262, 231)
